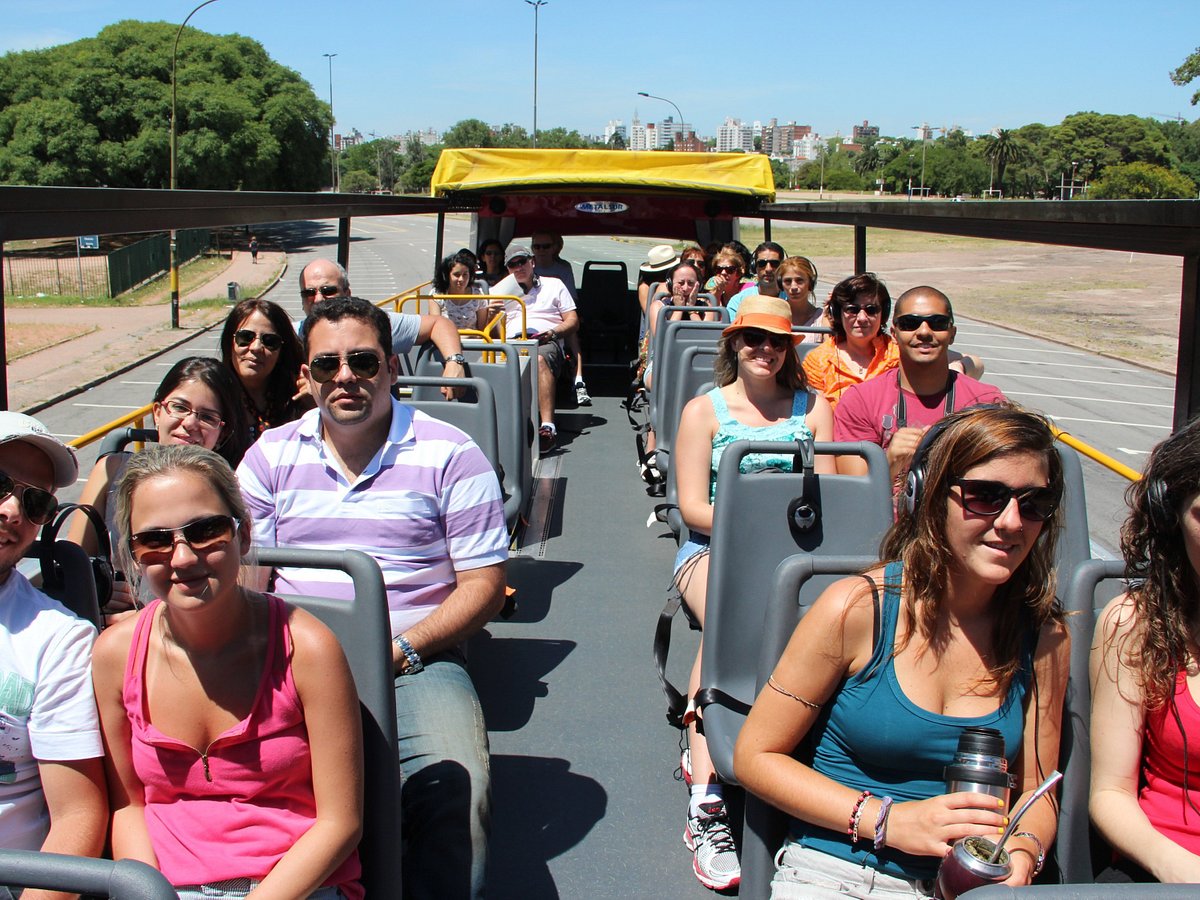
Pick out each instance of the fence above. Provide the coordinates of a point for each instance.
(97, 275)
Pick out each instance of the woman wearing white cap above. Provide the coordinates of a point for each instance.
(660, 259)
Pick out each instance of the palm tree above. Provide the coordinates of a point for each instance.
(867, 160)
(1003, 148)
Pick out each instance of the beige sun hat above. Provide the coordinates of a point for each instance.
(773, 314)
(660, 258)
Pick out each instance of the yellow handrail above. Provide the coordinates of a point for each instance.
(1092, 453)
(138, 416)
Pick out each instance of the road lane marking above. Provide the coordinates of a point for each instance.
(1089, 399)
(1140, 387)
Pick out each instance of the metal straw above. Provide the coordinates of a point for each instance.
(1046, 785)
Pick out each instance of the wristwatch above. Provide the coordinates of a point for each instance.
(457, 358)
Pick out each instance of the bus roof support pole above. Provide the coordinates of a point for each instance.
(439, 248)
(860, 249)
(1187, 363)
(344, 243)
(3, 339)
(766, 230)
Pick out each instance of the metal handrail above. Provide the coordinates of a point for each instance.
(137, 418)
(1096, 456)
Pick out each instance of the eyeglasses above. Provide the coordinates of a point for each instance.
(362, 363)
(725, 270)
(543, 246)
(990, 498)
(157, 544)
(518, 262)
(326, 290)
(37, 504)
(178, 410)
(753, 338)
(764, 263)
(936, 322)
(853, 309)
(270, 340)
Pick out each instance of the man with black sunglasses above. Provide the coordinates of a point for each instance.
(52, 794)
(366, 472)
(765, 268)
(324, 279)
(895, 409)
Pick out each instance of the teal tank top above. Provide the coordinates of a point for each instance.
(730, 429)
(871, 737)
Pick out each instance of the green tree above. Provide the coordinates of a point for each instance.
(511, 135)
(358, 182)
(469, 133)
(1184, 140)
(1002, 149)
(561, 139)
(98, 111)
(1142, 181)
(616, 142)
(1188, 72)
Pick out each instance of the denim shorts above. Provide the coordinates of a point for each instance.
(696, 544)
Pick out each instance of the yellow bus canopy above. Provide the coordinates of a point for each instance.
(494, 170)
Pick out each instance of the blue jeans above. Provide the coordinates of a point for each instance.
(446, 789)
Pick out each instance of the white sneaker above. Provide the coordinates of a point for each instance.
(714, 857)
(582, 397)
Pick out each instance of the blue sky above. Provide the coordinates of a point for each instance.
(405, 65)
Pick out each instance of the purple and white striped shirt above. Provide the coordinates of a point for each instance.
(426, 506)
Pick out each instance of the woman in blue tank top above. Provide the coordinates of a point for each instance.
(958, 627)
(760, 395)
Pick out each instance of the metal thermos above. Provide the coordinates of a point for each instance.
(979, 765)
(967, 867)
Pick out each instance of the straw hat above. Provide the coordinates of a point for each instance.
(772, 314)
(660, 258)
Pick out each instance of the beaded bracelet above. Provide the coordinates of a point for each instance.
(856, 815)
(881, 823)
(1040, 859)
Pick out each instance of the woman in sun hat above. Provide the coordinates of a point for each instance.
(660, 259)
(761, 395)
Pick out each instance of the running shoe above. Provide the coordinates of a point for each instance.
(714, 857)
(582, 397)
(547, 437)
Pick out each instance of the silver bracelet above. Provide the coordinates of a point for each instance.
(1040, 859)
(414, 659)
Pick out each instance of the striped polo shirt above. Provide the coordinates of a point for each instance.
(426, 506)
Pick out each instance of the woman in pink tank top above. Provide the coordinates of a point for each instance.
(1145, 675)
(231, 719)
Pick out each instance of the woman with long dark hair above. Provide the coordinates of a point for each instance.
(1145, 675)
(260, 347)
(957, 627)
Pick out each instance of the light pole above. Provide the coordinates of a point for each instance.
(174, 244)
(537, 5)
(924, 129)
(664, 100)
(333, 179)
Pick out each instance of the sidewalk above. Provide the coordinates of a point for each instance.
(122, 336)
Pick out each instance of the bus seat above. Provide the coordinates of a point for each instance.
(751, 535)
(608, 314)
(670, 339)
(798, 582)
(1086, 892)
(117, 439)
(1074, 543)
(76, 589)
(1078, 846)
(363, 628)
(125, 879)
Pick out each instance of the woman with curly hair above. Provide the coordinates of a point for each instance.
(1145, 675)
(957, 627)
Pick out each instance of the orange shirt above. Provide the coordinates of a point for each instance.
(826, 372)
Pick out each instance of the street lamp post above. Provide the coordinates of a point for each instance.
(537, 5)
(174, 243)
(333, 179)
(924, 129)
(665, 100)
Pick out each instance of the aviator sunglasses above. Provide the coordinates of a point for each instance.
(158, 544)
(363, 363)
(270, 340)
(725, 270)
(990, 498)
(853, 309)
(753, 338)
(936, 322)
(326, 290)
(37, 504)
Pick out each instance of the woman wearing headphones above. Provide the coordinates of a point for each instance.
(1145, 677)
(956, 628)
(798, 279)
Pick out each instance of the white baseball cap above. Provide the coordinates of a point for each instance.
(16, 426)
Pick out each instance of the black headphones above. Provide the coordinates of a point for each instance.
(53, 576)
(804, 512)
(914, 484)
(1164, 517)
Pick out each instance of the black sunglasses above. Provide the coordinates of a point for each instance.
(157, 544)
(763, 263)
(38, 504)
(853, 309)
(363, 363)
(725, 270)
(517, 262)
(990, 498)
(753, 338)
(936, 322)
(244, 337)
(326, 290)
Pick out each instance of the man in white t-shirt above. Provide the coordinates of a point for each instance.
(52, 791)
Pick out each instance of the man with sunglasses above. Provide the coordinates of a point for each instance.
(767, 257)
(52, 794)
(365, 472)
(895, 409)
(324, 279)
(549, 317)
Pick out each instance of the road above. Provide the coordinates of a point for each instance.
(1114, 406)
